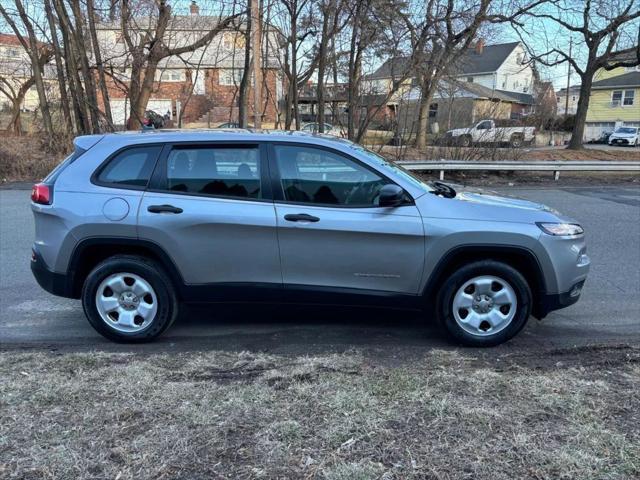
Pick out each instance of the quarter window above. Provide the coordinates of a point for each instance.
(313, 175)
(220, 171)
(131, 167)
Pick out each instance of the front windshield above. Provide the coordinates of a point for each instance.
(626, 130)
(397, 169)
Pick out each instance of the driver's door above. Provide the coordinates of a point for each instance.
(331, 231)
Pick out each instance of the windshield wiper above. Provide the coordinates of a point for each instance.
(443, 190)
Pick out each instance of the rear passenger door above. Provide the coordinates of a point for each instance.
(209, 207)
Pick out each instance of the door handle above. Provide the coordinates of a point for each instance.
(164, 209)
(300, 217)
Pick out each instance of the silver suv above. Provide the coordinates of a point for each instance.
(133, 224)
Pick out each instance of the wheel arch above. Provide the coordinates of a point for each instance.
(91, 251)
(521, 258)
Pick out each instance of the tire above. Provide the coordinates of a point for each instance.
(516, 141)
(140, 287)
(468, 328)
(465, 141)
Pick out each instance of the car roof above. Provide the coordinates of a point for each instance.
(217, 135)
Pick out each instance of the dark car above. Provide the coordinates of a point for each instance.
(152, 120)
(602, 139)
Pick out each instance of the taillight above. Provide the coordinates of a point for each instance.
(41, 193)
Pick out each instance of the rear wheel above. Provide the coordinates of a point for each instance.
(484, 303)
(129, 299)
(465, 141)
(516, 141)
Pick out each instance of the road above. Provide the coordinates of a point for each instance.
(609, 311)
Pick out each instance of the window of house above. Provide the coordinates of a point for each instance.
(132, 167)
(616, 97)
(170, 75)
(628, 97)
(220, 171)
(318, 176)
(470, 79)
(433, 110)
(13, 52)
(230, 76)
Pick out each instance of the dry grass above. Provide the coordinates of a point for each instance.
(26, 158)
(227, 415)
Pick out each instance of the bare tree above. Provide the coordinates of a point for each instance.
(33, 47)
(16, 79)
(147, 47)
(610, 34)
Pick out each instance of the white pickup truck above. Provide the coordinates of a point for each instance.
(490, 131)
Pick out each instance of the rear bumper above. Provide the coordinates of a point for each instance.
(55, 283)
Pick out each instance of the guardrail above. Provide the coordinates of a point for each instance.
(529, 166)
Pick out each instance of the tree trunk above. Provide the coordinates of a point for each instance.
(104, 91)
(57, 52)
(322, 64)
(37, 70)
(294, 69)
(243, 93)
(423, 111)
(87, 75)
(581, 113)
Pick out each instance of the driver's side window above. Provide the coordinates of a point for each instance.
(484, 125)
(319, 176)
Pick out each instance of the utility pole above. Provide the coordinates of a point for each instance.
(566, 100)
(257, 63)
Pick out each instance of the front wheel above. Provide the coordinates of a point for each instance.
(484, 303)
(129, 299)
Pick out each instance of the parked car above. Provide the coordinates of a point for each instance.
(602, 139)
(152, 120)
(629, 136)
(328, 129)
(491, 132)
(135, 224)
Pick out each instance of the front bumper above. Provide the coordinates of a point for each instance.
(55, 283)
(555, 301)
(619, 141)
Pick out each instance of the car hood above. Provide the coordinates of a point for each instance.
(491, 198)
(481, 205)
(622, 135)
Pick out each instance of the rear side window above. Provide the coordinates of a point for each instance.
(131, 167)
(226, 171)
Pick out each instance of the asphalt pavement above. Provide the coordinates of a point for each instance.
(607, 313)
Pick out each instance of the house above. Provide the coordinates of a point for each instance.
(499, 72)
(15, 70)
(202, 85)
(567, 100)
(614, 101)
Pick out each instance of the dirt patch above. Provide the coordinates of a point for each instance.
(447, 414)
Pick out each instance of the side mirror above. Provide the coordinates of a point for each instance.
(390, 195)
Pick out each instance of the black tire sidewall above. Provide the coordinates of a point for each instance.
(465, 273)
(149, 271)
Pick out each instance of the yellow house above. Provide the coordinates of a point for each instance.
(614, 101)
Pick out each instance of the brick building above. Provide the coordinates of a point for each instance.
(199, 86)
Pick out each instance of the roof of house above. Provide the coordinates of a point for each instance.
(489, 60)
(625, 57)
(480, 91)
(9, 39)
(572, 89)
(631, 79)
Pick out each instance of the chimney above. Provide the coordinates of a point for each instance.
(194, 8)
(480, 46)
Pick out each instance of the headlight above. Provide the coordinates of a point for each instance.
(561, 229)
